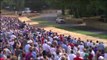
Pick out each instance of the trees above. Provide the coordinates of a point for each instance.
(35, 4)
(59, 4)
(81, 8)
(9, 3)
(0, 5)
(19, 4)
(13, 4)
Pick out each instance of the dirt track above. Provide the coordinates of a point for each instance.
(60, 31)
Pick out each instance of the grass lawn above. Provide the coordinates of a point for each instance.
(43, 22)
(104, 36)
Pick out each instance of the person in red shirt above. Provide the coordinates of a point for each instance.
(1, 56)
(70, 44)
(78, 57)
(2, 59)
(90, 57)
(42, 39)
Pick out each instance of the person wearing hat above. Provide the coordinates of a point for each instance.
(28, 45)
(100, 58)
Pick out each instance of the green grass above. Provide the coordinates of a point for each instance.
(103, 36)
(45, 23)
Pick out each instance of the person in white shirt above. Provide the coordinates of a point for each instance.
(27, 46)
(56, 37)
(56, 56)
(88, 43)
(97, 43)
(81, 47)
(100, 58)
(7, 51)
(91, 43)
(71, 56)
(75, 49)
(82, 53)
(12, 36)
(50, 39)
(69, 49)
(105, 55)
(52, 49)
(46, 47)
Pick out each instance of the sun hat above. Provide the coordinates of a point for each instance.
(29, 41)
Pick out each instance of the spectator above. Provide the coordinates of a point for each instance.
(78, 57)
(71, 56)
(1, 55)
(21, 41)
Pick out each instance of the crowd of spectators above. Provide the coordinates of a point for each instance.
(21, 41)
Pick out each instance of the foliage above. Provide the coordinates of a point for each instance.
(78, 8)
(13, 4)
(81, 8)
(35, 4)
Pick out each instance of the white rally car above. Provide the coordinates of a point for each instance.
(60, 20)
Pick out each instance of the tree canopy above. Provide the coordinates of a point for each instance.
(79, 8)
(82, 8)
